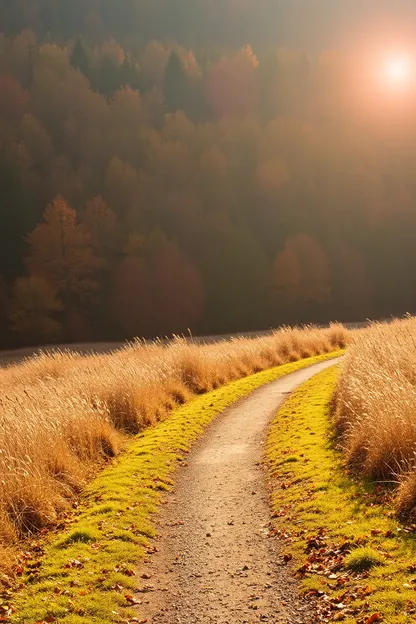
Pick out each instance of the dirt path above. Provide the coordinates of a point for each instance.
(216, 562)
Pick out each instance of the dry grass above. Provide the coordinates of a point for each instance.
(63, 414)
(375, 407)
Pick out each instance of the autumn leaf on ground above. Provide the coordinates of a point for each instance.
(132, 600)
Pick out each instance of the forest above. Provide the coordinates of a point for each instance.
(170, 170)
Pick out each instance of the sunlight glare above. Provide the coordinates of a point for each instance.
(399, 71)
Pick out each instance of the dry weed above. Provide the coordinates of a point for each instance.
(375, 406)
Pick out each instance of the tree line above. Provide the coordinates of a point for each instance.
(156, 189)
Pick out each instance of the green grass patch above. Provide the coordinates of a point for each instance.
(349, 553)
(363, 559)
(82, 534)
(84, 574)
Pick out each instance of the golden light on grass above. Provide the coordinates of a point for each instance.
(376, 406)
(61, 415)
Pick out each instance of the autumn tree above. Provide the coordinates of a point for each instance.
(106, 239)
(153, 62)
(125, 131)
(176, 85)
(158, 292)
(34, 310)
(17, 213)
(122, 185)
(102, 226)
(108, 67)
(232, 87)
(80, 59)
(60, 250)
(178, 296)
(37, 141)
(130, 74)
(14, 101)
(17, 58)
(272, 175)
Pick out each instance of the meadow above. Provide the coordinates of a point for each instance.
(64, 415)
(375, 405)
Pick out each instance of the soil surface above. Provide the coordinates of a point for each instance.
(216, 561)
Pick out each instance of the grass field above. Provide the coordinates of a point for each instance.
(87, 572)
(375, 407)
(62, 416)
(353, 560)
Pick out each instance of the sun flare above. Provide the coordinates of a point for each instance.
(399, 71)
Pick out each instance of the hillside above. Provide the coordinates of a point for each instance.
(154, 187)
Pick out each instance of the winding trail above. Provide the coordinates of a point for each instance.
(216, 561)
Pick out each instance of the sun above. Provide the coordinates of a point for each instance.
(399, 71)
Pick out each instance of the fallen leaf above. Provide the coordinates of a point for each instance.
(132, 600)
(74, 563)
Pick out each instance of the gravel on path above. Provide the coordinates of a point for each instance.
(216, 561)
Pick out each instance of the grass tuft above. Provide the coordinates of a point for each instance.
(81, 535)
(363, 559)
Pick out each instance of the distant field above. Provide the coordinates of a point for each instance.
(62, 414)
(17, 355)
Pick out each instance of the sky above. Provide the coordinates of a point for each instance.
(345, 23)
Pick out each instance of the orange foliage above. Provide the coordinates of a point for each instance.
(101, 223)
(60, 250)
(14, 100)
(232, 85)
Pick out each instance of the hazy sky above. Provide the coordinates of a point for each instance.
(344, 22)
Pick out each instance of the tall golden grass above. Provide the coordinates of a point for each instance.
(375, 407)
(62, 414)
